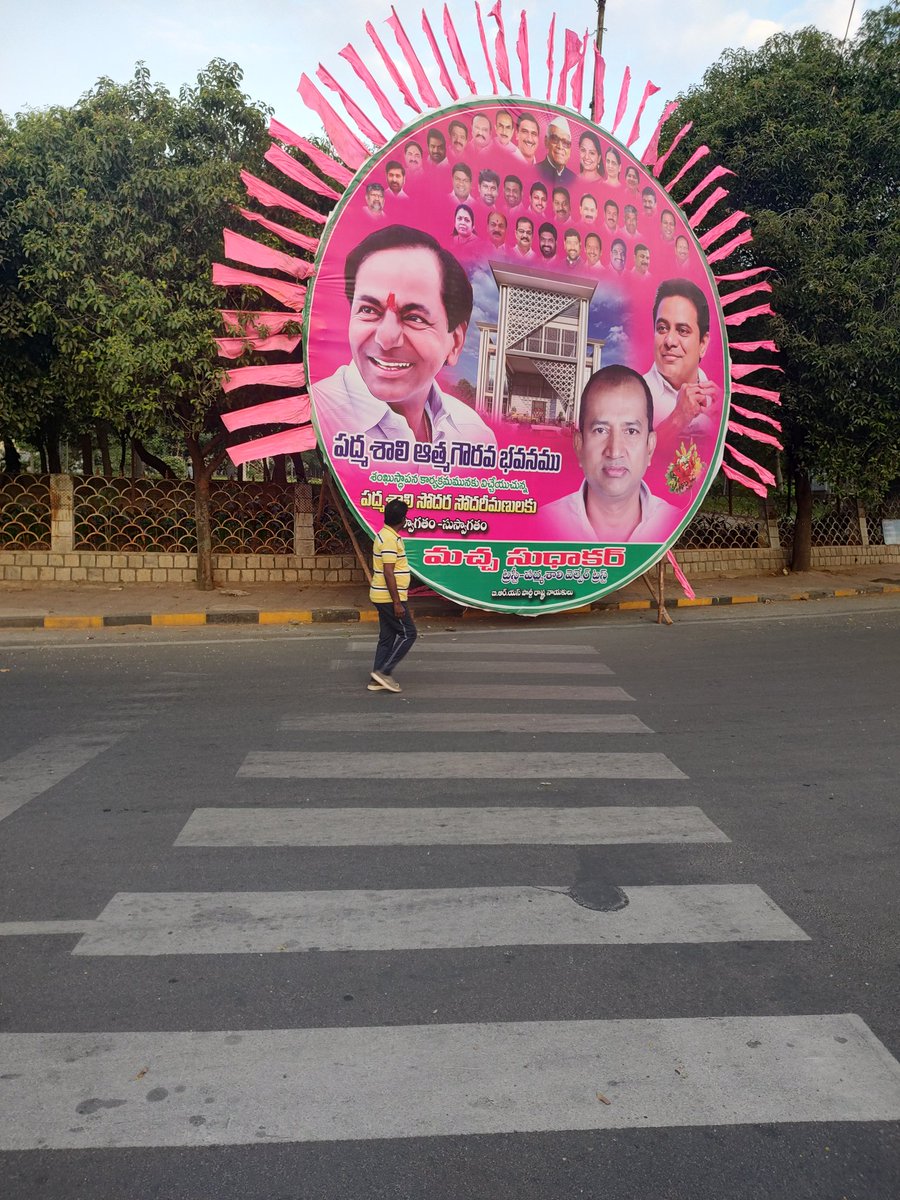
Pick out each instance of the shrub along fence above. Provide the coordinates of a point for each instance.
(65, 528)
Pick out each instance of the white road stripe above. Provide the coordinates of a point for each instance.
(446, 826)
(48, 761)
(487, 722)
(428, 919)
(43, 928)
(546, 692)
(105, 1090)
(489, 666)
(454, 764)
(425, 645)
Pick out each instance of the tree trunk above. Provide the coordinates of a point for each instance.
(279, 469)
(151, 460)
(204, 530)
(50, 438)
(801, 553)
(12, 463)
(299, 468)
(103, 443)
(86, 449)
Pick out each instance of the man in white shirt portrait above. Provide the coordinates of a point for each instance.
(683, 398)
(410, 307)
(614, 444)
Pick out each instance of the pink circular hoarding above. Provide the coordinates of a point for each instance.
(513, 327)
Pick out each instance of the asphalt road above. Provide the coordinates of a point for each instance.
(637, 944)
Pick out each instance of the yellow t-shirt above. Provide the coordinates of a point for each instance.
(388, 548)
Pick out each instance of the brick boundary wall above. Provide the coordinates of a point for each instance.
(47, 566)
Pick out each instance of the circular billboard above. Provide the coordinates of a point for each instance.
(513, 328)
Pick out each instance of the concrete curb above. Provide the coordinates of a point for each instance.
(323, 616)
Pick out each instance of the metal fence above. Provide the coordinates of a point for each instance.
(25, 512)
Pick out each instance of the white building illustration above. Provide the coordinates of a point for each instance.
(545, 354)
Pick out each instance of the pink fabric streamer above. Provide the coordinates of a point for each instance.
(347, 144)
(271, 197)
(570, 61)
(680, 576)
(235, 347)
(757, 416)
(751, 347)
(599, 76)
(623, 98)
(551, 32)
(709, 203)
(289, 235)
(578, 75)
(291, 410)
(291, 441)
(426, 91)
(484, 47)
(651, 150)
(761, 285)
(291, 295)
(755, 434)
(456, 50)
(283, 162)
(364, 75)
(747, 389)
(280, 375)
(765, 475)
(742, 274)
(722, 228)
(682, 133)
(710, 177)
(522, 54)
(365, 126)
(330, 166)
(742, 370)
(443, 74)
(500, 54)
(739, 318)
(650, 89)
(408, 98)
(700, 152)
(246, 250)
(728, 249)
(258, 324)
(738, 477)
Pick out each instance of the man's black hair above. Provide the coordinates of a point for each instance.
(596, 237)
(464, 169)
(488, 176)
(459, 125)
(437, 135)
(572, 233)
(615, 376)
(393, 165)
(513, 179)
(687, 291)
(456, 291)
(527, 220)
(537, 187)
(395, 512)
(548, 228)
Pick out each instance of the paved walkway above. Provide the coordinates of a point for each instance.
(85, 606)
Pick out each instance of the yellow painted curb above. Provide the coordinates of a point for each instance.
(178, 619)
(629, 605)
(73, 622)
(697, 602)
(369, 614)
(299, 616)
(745, 599)
(845, 591)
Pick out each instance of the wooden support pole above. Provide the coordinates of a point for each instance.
(342, 512)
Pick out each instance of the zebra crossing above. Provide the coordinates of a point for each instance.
(184, 1088)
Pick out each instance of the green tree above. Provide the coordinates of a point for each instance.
(111, 215)
(812, 129)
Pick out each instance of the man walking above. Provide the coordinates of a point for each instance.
(388, 592)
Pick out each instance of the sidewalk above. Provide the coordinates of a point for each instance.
(94, 606)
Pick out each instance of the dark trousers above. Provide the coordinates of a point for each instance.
(395, 637)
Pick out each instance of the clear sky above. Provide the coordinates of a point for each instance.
(54, 50)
